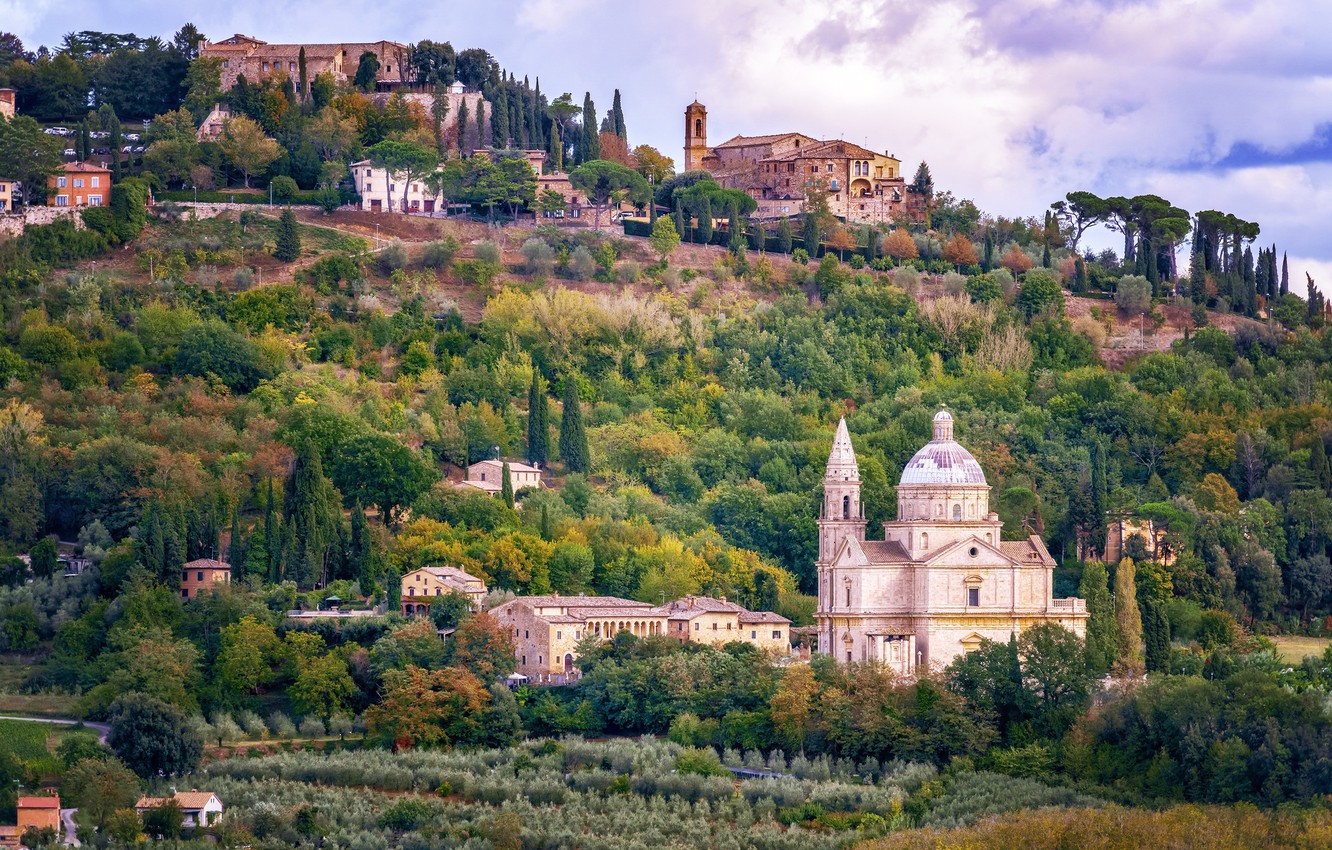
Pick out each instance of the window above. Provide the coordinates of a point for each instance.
(411, 591)
(925, 541)
(714, 627)
(185, 594)
(753, 635)
(439, 591)
(524, 660)
(525, 634)
(578, 635)
(94, 200)
(776, 635)
(61, 182)
(848, 596)
(830, 168)
(559, 635)
(846, 507)
(200, 575)
(695, 626)
(78, 182)
(957, 512)
(973, 596)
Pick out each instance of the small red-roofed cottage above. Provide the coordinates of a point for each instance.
(203, 574)
(201, 808)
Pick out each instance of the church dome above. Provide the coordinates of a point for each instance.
(942, 460)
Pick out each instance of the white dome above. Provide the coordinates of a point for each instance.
(942, 460)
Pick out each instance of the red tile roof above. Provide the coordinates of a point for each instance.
(39, 802)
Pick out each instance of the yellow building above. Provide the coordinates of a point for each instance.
(701, 619)
(6, 195)
(546, 630)
(420, 586)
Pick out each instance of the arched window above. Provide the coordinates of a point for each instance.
(848, 596)
(698, 126)
(957, 513)
(925, 540)
(846, 507)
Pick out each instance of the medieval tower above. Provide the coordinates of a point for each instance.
(696, 136)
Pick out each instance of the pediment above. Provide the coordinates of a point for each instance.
(849, 554)
(960, 554)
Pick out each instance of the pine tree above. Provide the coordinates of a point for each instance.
(1128, 618)
(1102, 643)
(617, 115)
(573, 436)
(705, 223)
(288, 238)
(538, 424)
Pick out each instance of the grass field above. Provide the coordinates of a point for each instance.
(35, 743)
(1296, 649)
(14, 671)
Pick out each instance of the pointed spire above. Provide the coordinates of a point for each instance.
(842, 458)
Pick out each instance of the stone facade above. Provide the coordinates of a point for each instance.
(779, 171)
(421, 585)
(257, 59)
(8, 97)
(546, 629)
(15, 224)
(700, 619)
(941, 580)
(488, 476)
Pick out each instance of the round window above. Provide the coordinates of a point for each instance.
(974, 552)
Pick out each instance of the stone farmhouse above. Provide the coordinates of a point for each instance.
(8, 98)
(547, 629)
(941, 580)
(780, 170)
(421, 585)
(488, 476)
(256, 59)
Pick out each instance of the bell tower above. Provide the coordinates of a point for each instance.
(842, 516)
(696, 136)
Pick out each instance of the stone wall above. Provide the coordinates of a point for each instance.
(14, 225)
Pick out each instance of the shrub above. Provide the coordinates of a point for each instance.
(392, 257)
(1133, 295)
(801, 256)
(284, 189)
(440, 253)
(700, 762)
(281, 725)
(312, 727)
(487, 251)
(582, 265)
(327, 198)
(627, 272)
(538, 256)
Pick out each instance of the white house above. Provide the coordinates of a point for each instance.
(201, 808)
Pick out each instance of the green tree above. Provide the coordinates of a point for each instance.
(323, 687)
(245, 145)
(604, 181)
(506, 485)
(402, 162)
(1040, 294)
(152, 738)
(589, 143)
(43, 558)
(483, 646)
(98, 788)
(664, 239)
(1102, 645)
(377, 469)
(573, 436)
(288, 238)
(165, 821)
(28, 157)
(1128, 619)
(538, 423)
(367, 71)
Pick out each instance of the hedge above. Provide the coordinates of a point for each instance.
(186, 196)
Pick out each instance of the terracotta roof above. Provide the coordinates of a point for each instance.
(83, 167)
(514, 466)
(762, 617)
(189, 800)
(885, 552)
(39, 802)
(580, 602)
(748, 141)
(451, 572)
(207, 564)
(1029, 551)
(689, 607)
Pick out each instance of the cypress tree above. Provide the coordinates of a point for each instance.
(1128, 618)
(705, 222)
(1198, 279)
(987, 259)
(809, 234)
(617, 117)
(462, 127)
(547, 532)
(1156, 634)
(589, 147)
(236, 551)
(556, 149)
(1099, 495)
(481, 122)
(573, 436)
(362, 549)
(85, 140)
(1045, 257)
(680, 223)
(784, 235)
(288, 238)
(499, 119)
(1080, 283)
(506, 484)
(312, 511)
(736, 240)
(538, 423)
(304, 79)
(1318, 465)
(1102, 644)
(270, 536)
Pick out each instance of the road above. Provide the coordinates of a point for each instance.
(102, 729)
(71, 831)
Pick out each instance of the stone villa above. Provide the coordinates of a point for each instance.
(256, 59)
(421, 585)
(547, 629)
(779, 170)
(941, 580)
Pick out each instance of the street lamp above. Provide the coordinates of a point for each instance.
(270, 194)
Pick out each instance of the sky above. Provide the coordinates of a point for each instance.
(1211, 104)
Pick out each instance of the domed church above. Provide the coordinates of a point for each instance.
(941, 579)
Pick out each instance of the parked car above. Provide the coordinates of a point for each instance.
(99, 134)
(131, 137)
(58, 131)
(71, 152)
(127, 149)
(102, 151)
(139, 149)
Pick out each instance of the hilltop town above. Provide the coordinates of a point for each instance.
(397, 454)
